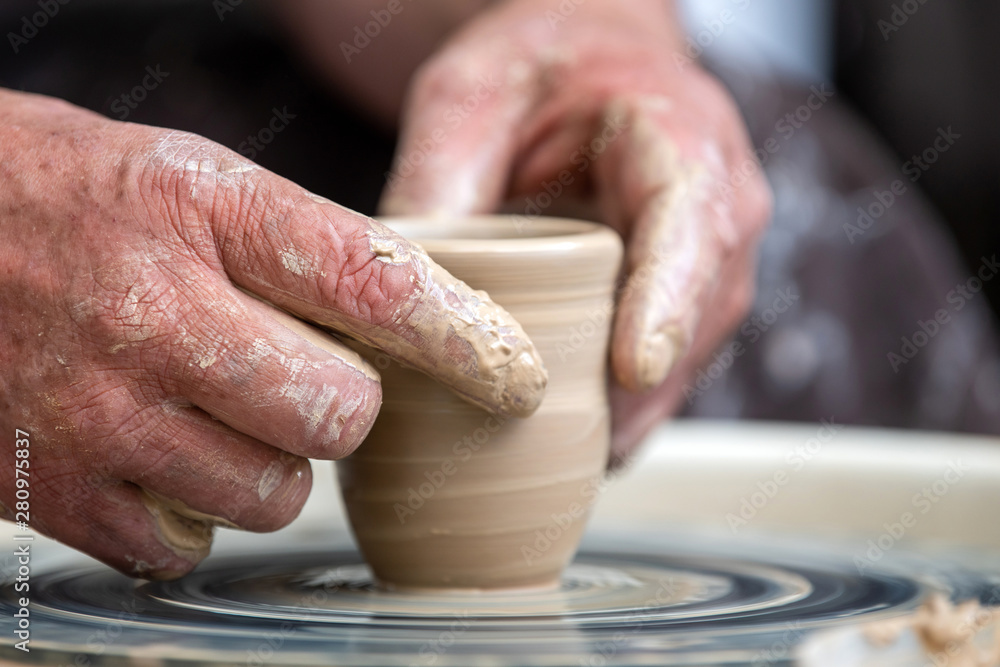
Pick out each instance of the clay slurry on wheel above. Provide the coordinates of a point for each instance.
(626, 593)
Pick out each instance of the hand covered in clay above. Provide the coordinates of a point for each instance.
(160, 396)
(535, 102)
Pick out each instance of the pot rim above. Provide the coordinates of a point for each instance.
(496, 234)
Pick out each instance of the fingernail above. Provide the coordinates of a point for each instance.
(654, 359)
(270, 480)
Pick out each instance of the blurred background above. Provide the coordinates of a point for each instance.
(880, 123)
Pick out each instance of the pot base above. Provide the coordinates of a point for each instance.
(460, 592)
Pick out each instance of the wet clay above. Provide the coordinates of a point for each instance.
(178, 507)
(947, 632)
(444, 495)
(501, 371)
(186, 536)
(479, 349)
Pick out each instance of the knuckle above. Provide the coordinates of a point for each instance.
(204, 355)
(134, 305)
(165, 184)
(265, 237)
(152, 452)
(716, 106)
(247, 219)
(379, 293)
(146, 321)
(433, 76)
(104, 412)
(186, 182)
(443, 76)
(360, 289)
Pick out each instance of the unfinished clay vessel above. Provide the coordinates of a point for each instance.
(443, 495)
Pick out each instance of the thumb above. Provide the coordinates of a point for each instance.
(459, 139)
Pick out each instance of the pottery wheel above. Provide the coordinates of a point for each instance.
(659, 580)
(626, 599)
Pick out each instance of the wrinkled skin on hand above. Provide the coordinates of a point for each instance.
(143, 346)
(666, 144)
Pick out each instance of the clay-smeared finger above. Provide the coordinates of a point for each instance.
(126, 528)
(672, 262)
(76, 499)
(393, 297)
(674, 252)
(269, 376)
(343, 270)
(632, 416)
(337, 268)
(204, 470)
(459, 136)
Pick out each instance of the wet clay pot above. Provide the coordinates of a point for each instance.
(442, 494)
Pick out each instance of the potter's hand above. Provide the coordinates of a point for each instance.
(534, 101)
(157, 396)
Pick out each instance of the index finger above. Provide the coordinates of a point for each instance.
(345, 271)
